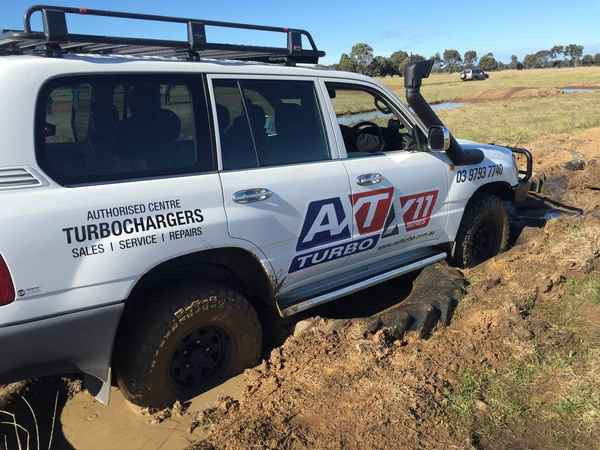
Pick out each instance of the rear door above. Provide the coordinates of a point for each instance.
(284, 187)
(399, 193)
(133, 185)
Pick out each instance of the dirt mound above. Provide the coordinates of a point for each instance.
(497, 94)
(487, 381)
(552, 152)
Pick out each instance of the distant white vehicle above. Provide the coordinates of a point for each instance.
(473, 74)
(153, 200)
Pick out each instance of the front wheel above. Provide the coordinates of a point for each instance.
(483, 233)
(187, 341)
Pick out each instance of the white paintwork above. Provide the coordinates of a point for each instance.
(34, 245)
(274, 225)
(461, 193)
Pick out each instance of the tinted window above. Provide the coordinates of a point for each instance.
(107, 129)
(237, 148)
(269, 123)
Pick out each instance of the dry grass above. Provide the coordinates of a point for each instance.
(554, 392)
(520, 121)
(447, 87)
(512, 107)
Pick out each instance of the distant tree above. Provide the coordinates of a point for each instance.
(390, 70)
(452, 60)
(529, 61)
(437, 62)
(346, 63)
(362, 55)
(538, 60)
(573, 52)
(587, 60)
(470, 58)
(545, 58)
(515, 63)
(381, 67)
(396, 61)
(556, 51)
(488, 62)
(597, 59)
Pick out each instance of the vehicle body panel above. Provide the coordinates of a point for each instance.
(498, 166)
(60, 296)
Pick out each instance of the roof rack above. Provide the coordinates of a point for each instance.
(56, 40)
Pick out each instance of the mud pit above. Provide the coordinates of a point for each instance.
(375, 318)
(518, 367)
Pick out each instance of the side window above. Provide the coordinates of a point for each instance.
(266, 123)
(68, 110)
(237, 147)
(367, 121)
(120, 128)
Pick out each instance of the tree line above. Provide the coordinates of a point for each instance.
(361, 59)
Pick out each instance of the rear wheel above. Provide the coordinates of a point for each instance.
(189, 340)
(483, 233)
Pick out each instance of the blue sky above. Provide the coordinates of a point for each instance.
(426, 26)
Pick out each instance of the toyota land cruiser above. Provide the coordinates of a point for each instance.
(156, 193)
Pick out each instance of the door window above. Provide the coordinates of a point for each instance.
(264, 123)
(99, 128)
(367, 121)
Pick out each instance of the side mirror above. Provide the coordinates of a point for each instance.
(438, 138)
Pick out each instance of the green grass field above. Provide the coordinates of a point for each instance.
(514, 107)
(520, 121)
(447, 87)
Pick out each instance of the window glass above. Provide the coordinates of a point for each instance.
(269, 123)
(368, 124)
(237, 148)
(108, 129)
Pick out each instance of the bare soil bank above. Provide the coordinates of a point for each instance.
(517, 368)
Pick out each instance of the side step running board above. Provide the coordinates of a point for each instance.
(303, 305)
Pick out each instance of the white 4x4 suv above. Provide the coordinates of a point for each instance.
(153, 199)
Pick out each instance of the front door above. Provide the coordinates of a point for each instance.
(399, 192)
(284, 188)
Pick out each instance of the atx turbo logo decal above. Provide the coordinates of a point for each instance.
(371, 209)
(417, 209)
(326, 222)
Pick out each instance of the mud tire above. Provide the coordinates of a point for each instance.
(484, 231)
(153, 338)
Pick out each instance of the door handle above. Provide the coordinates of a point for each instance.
(252, 195)
(369, 179)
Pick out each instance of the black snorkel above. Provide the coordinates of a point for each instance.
(439, 138)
